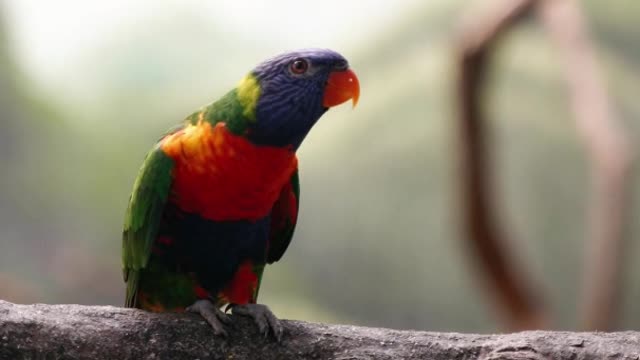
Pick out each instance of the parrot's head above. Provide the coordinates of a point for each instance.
(287, 94)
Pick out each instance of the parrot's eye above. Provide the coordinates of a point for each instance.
(299, 66)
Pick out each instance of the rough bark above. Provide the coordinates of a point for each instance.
(105, 332)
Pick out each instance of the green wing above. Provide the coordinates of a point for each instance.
(142, 219)
(284, 216)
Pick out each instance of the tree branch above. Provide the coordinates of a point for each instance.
(611, 156)
(99, 332)
(519, 301)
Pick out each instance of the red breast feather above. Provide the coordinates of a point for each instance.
(222, 176)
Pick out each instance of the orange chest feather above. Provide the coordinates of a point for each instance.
(222, 176)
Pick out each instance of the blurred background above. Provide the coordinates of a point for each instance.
(87, 87)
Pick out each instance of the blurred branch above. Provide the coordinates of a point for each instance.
(515, 294)
(611, 159)
(609, 150)
(100, 332)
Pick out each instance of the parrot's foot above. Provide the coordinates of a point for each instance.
(214, 316)
(262, 316)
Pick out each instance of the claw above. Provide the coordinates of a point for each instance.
(262, 316)
(214, 316)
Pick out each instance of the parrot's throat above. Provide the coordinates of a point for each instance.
(284, 130)
(223, 176)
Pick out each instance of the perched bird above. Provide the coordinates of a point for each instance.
(216, 199)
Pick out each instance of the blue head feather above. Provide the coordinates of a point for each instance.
(289, 103)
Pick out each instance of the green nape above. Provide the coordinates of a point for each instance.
(237, 109)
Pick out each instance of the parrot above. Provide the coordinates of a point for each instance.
(217, 197)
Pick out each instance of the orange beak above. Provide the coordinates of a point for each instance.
(341, 86)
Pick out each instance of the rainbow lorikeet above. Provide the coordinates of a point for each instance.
(216, 199)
